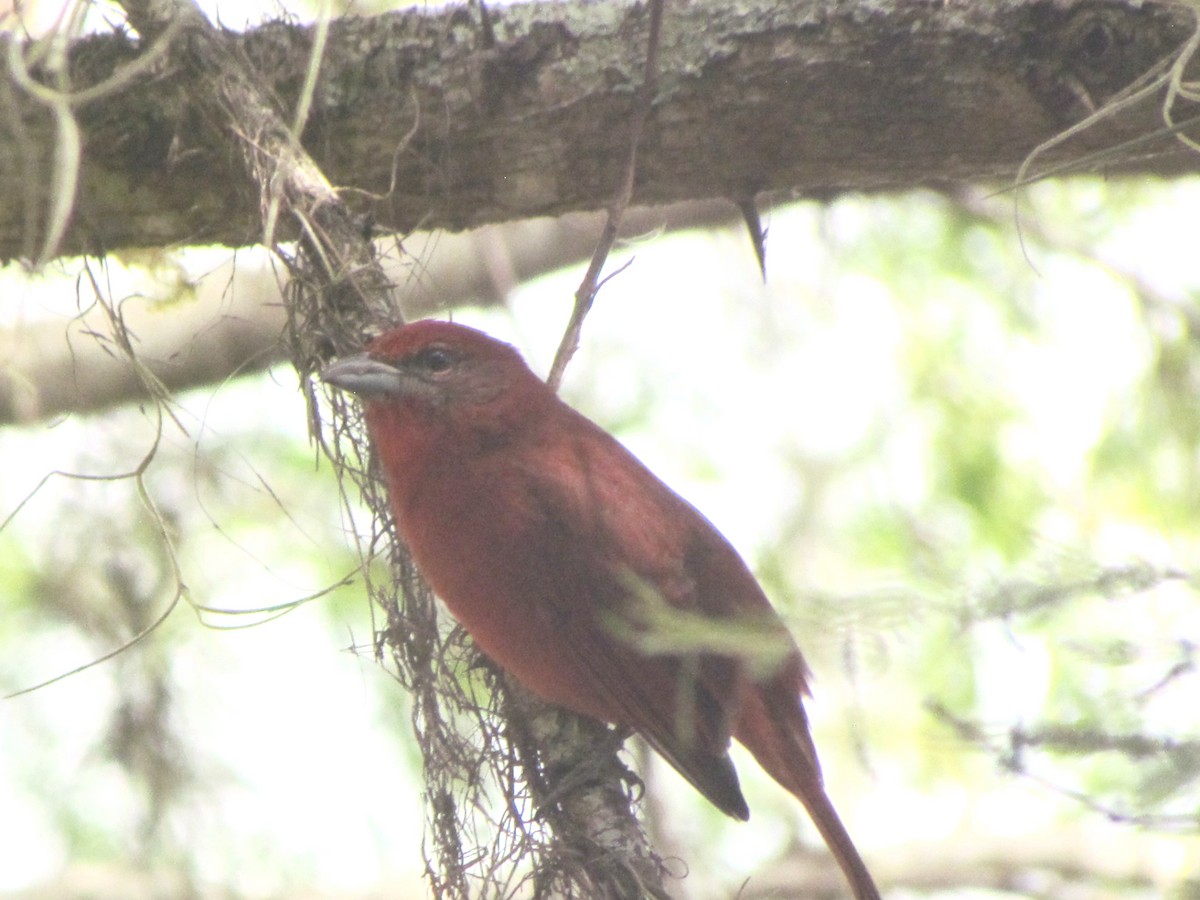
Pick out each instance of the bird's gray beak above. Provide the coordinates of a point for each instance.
(362, 375)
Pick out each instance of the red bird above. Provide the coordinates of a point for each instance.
(554, 547)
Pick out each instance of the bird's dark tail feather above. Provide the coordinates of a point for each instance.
(825, 817)
(774, 728)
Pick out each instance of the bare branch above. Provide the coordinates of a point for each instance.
(232, 323)
(586, 294)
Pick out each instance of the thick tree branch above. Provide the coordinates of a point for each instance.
(450, 131)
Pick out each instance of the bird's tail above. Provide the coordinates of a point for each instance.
(774, 728)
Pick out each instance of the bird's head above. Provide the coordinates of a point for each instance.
(440, 371)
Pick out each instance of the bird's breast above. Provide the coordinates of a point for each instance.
(498, 566)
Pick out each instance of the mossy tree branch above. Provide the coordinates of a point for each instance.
(431, 119)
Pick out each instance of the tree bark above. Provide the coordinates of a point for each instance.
(452, 120)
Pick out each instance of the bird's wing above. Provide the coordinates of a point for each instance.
(638, 571)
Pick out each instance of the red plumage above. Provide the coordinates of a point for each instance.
(552, 545)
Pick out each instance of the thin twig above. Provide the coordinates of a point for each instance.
(1006, 746)
(758, 235)
(162, 411)
(590, 286)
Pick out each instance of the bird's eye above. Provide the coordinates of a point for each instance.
(435, 360)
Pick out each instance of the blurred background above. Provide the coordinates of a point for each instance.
(957, 439)
(963, 460)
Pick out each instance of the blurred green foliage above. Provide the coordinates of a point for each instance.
(993, 569)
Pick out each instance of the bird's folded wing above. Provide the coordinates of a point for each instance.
(630, 555)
